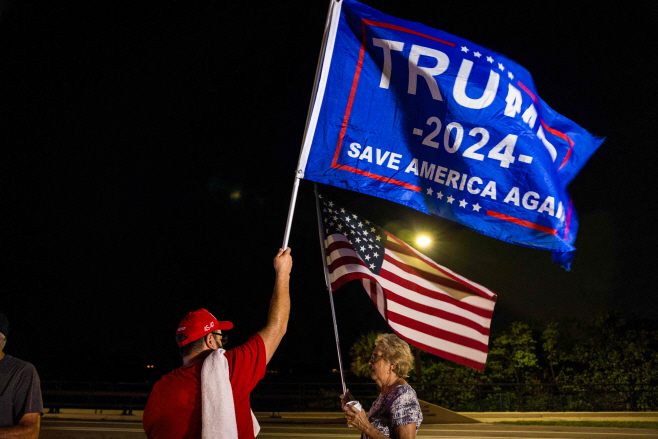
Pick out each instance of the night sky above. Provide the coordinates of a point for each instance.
(148, 156)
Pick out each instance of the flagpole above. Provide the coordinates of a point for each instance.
(320, 69)
(328, 282)
(291, 212)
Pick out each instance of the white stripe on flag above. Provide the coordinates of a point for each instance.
(437, 343)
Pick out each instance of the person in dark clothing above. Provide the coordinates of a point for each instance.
(21, 405)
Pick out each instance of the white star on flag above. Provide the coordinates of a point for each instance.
(464, 49)
(500, 66)
(477, 54)
(462, 203)
(450, 199)
(509, 75)
(429, 191)
(476, 207)
(439, 195)
(490, 59)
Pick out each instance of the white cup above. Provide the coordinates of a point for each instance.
(356, 405)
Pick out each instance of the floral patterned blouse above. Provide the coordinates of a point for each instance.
(399, 407)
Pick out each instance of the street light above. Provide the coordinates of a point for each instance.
(423, 241)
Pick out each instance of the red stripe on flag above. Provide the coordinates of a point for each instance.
(376, 177)
(436, 332)
(525, 89)
(549, 129)
(350, 276)
(403, 29)
(355, 82)
(521, 222)
(411, 286)
(560, 135)
(435, 312)
(566, 229)
(565, 158)
(345, 260)
(346, 118)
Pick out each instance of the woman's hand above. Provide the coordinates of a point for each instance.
(344, 399)
(357, 418)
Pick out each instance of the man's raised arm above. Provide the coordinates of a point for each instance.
(277, 319)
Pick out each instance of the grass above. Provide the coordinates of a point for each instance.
(607, 424)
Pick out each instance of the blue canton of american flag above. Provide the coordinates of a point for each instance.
(427, 305)
(367, 239)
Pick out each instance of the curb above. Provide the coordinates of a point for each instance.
(337, 418)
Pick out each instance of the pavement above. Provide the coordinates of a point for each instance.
(336, 417)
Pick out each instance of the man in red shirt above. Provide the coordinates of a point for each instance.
(173, 410)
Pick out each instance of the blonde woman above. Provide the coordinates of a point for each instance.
(396, 412)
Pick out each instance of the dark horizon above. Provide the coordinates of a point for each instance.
(127, 128)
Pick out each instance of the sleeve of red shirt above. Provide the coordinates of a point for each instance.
(247, 364)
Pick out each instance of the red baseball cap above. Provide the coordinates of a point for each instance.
(197, 324)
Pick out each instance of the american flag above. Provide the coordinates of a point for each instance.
(428, 305)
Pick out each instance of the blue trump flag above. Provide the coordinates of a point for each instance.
(418, 116)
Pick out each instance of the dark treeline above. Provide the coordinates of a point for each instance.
(606, 362)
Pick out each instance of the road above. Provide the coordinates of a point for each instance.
(60, 429)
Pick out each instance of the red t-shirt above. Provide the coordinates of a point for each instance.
(173, 410)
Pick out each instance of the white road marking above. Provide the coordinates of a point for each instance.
(129, 430)
(547, 432)
(433, 428)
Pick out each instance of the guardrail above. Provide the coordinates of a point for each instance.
(477, 397)
(94, 395)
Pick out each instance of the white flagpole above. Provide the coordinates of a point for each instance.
(321, 73)
(328, 281)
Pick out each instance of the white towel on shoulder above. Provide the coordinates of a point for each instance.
(217, 408)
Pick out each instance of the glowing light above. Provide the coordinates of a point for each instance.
(235, 195)
(423, 241)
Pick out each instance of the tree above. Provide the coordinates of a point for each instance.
(558, 345)
(360, 352)
(512, 357)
